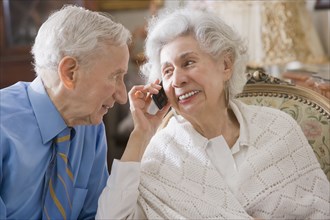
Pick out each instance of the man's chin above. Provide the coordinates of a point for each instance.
(96, 120)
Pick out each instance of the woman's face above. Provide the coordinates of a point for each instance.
(101, 86)
(192, 79)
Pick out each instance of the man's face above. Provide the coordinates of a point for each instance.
(102, 85)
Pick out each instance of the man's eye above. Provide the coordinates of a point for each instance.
(114, 77)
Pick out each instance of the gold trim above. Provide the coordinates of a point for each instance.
(127, 4)
(260, 77)
(262, 84)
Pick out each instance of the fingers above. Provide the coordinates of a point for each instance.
(140, 99)
(151, 88)
(144, 91)
(140, 95)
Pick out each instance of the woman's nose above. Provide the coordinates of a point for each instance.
(179, 78)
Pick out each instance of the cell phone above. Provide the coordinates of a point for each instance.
(158, 101)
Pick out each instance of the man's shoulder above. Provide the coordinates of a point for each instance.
(14, 88)
(14, 103)
(16, 113)
(14, 94)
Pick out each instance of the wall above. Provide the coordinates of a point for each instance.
(118, 132)
(321, 20)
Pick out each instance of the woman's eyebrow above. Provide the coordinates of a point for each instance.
(186, 54)
(182, 56)
(165, 64)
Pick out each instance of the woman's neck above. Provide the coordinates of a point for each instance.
(222, 123)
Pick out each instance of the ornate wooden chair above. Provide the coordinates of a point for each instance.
(310, 109)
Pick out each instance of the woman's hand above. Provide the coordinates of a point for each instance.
(145, 124)
(140, 99)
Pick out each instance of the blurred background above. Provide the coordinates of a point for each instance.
(288, 39)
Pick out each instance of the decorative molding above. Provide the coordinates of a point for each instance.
(261, 84)
(262, 77)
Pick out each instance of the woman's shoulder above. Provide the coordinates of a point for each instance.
(177, 133)
(177, 128)
(264, 114)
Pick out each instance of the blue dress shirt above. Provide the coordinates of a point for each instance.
(29, 122)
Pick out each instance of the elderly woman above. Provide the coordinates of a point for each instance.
(217, 158)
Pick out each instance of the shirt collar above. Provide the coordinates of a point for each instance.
(49, 120)
(244, 127)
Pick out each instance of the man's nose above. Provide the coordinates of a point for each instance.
(121, 93)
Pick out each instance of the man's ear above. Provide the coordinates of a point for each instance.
(67, 70)
(228, 63)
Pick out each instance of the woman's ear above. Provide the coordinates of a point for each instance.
(67, 71)
(228, 63)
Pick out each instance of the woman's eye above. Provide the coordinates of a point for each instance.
(167, 71)
(189, 62)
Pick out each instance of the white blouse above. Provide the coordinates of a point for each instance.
(124, 180)
(226, 160)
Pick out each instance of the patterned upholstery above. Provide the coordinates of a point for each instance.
(308, 108)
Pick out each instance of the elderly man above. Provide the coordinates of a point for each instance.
(52, 139)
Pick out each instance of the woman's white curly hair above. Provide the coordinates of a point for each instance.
(214, 37)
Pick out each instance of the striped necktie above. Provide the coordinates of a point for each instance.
(58, 198)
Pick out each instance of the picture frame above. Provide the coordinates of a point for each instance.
(322, 4)
(20, 22)
(126, 4)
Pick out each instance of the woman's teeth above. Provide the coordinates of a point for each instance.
(187, 95)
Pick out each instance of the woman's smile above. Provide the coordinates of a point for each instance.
(188, 95)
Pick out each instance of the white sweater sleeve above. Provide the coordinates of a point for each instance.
(119, 198)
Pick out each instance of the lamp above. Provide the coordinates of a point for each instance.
(288, 34)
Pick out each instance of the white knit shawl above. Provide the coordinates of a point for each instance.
(280, 177)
